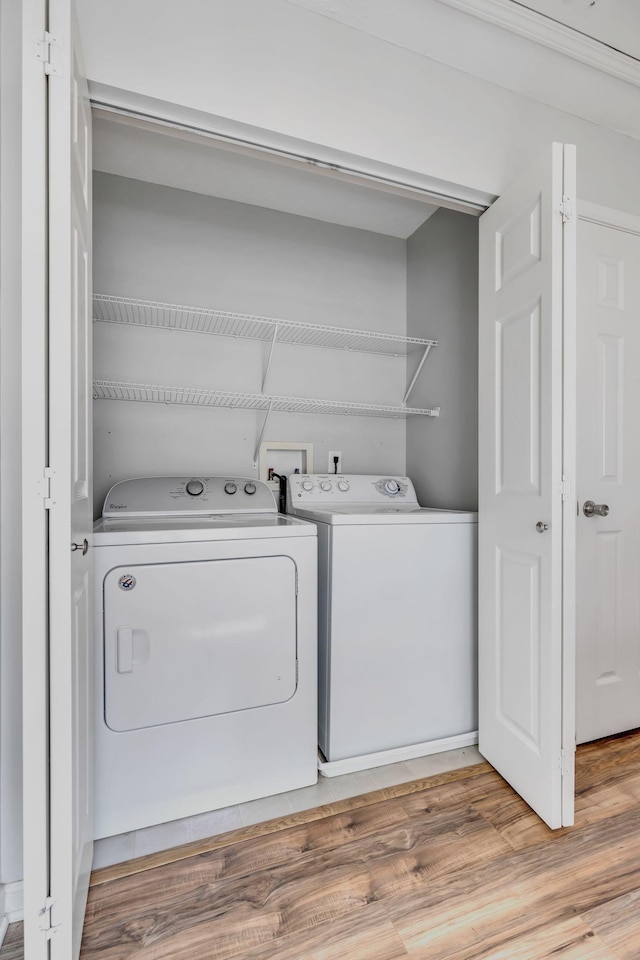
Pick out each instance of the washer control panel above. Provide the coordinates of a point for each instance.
(353, 488)
(192, 496)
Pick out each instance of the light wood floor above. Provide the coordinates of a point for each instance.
(451, 868)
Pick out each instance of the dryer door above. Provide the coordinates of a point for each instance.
(196, 639)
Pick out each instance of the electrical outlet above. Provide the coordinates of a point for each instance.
(332, 466)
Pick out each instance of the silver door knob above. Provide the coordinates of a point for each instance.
(541, 526)
(84, 546)
(591, 509)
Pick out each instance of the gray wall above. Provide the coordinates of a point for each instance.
(10, 449)
(170, 245)
(442, 302)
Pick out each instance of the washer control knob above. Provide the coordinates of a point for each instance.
(250, 488)
(391, 486)
(325, 485)
(343, 485)
(194, 488)
(230, 487)
(307, 485)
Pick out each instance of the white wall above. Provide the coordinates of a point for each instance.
(442, 302)
(279, 67)
(10, 424)
(170, 245)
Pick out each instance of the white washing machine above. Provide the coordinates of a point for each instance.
(397, 622)
(206, 678)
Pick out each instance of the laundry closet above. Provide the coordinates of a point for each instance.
(195, 241)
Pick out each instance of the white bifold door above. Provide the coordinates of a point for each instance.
(54, 915)
(526, 472)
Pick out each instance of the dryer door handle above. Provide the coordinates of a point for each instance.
(124, 649)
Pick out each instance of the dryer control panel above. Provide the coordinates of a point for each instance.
(187, 496)
(349, 488)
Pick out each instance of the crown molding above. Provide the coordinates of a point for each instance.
(512, 16)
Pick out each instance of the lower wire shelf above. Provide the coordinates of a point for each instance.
(200, 396)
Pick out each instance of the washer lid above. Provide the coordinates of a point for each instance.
(360, 514)
(187, 497)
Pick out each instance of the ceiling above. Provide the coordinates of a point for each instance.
(202, 167)
(613, 22)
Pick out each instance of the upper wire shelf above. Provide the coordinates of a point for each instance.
(171, 316)
(200, 396)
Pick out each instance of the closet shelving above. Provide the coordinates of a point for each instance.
(168, 316)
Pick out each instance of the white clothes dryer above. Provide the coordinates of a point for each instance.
(205, 685)
(397, 622)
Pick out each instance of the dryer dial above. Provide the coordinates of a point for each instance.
(250, 488)
(194, 488)
(230, 487)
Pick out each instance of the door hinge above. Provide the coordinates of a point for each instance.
(566, 209)
(566, 758)
(565, 488)
(46, 924)
(44, 487)
(48, 52)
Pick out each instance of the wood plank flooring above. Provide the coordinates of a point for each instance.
(454, 868)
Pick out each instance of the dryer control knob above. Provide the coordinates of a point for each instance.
(325, 485)
(391, 486)
(343, 485)
(194, 488)
(250, 488)
(230, 487)
(307, 485)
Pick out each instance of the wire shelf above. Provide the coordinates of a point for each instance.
(199, 396)
(171, 316)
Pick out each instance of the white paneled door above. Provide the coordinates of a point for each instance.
(70, 515)
(526, 514)
(608, 555)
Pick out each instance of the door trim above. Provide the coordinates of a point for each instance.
(608, 217)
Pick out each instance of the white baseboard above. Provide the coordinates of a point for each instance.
(335, 768)
(11, 904)
(4, 925)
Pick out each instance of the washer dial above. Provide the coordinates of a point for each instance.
(250, 488)
(325, 485)
(391, 486)
(194, 488)
(230, 487)
(343, 485)
(307, 485)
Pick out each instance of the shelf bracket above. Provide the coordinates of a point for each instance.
(266, 372)
(256, 455)
(417, 373)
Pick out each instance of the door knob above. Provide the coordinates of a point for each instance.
(84, 546)
(541, 526)
(591, 509)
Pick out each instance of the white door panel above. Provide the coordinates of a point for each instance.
(522, 688)
(608, 566)
(70, 458)
(35, 678)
